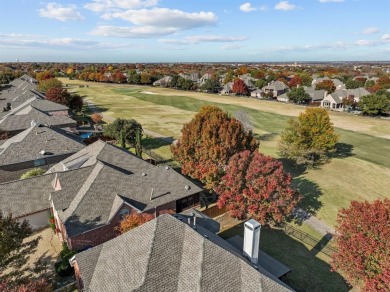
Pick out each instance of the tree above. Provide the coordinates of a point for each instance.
(4, 135)
(33, 172)
(96, 117)
(239, 87)
(375, 104)
(58, 95)
(207, 143)
(75, 102)
(14, 248)
(133, 220)
(349, 101)
(146, 78)
(299, 95)
(295, 81)
(46, 84)
(256, 186)
(326, 85)
(211, 85)
(28, 285)
(309, 139)
(362, 236)
(124, 131)
(260, 83)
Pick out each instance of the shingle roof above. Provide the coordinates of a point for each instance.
(117, 172)
(22, 119)
(27, 145)
(168, 255)
(276, 85)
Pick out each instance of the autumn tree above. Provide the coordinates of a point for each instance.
(362, 236)
(309, 139)
(58, 95)
(27, 285)
(146, 78)
(326, 85)
(239, 87)
(15, 249)
(349, 101)
(46, 84)
(299, 95)
(124, 131)
(133, 220)
(44, 75)
(96, 117)
(207, 143)
(295, 81)
(75, 102)
(256, 186)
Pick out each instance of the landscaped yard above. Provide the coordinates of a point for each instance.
(360, 172)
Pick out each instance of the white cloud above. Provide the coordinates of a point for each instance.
(105, 5)
(331, 1)
(202, 39)
(63, 13)
(386, 37)
(247, 7)
(370, 30)
(131, 32)
(286, 6)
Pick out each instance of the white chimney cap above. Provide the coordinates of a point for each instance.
(252, 223)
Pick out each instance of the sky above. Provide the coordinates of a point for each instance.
(128, 31)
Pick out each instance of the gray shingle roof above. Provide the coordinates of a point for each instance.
(116, 172)
(168, 255)
(27, 145)
(22, 119)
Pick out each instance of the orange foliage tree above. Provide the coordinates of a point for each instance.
(326, 85)
(362, 236)
(207, 143)
(133, 220)
(96, 117)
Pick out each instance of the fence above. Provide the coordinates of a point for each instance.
(319, 245)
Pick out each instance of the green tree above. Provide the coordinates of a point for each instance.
(14, 248)
(375, 104)
(207, 143)
(124, 131)
(211, 85)
(260, 83)
(309, 139)
(299, 95)
(33, 172)
(353, 84)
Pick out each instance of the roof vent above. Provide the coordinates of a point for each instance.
(205, 235)
(143, 174)
(167, 167)
(187, 187)
(43, 152)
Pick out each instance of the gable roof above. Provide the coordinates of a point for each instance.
(27, 145)
(166, 254)
(114, 173)
(22, 120)
(275, 85)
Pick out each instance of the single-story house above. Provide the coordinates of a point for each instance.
(332, 101)
(276, 88)
(316, 95)
(283, 97)
(170, 254)
(38, 146)
(335, 101)
(164, 82)
(337, 83)
(227, 88)
(256, 93)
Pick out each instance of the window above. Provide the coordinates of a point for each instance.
(39, 162)
(123, 213)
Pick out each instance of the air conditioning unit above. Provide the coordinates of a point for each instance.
(252, 240)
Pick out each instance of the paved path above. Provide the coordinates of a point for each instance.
(314, 222)
(110, 119)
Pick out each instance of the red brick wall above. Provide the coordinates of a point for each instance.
(79, 281)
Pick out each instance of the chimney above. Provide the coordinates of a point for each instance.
(252, 240)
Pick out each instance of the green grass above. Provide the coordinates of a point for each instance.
(310, 268)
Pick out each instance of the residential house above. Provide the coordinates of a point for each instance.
(194, 77)
(227, 88)
(204, 78)
(335, 100)
(38, 146)
(257, 93)
(249, 81)
(337, 83)
(163, 82)
(275, 88)
(332, 101)
(316, 95)
(169, 254)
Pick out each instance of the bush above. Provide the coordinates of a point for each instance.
(62, 267)
(33, 172)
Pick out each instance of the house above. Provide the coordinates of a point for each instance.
(316, 95)
(275, 88)
(337, 83)
(194, 77)
(336, 99)
(332, 101)
(256, 93)
(164, 82)
(249, 81)
(20, 119)
(38, 146)
(204, 78)
(227, 88)
(118, 183)
(283, 98)
(169, 254)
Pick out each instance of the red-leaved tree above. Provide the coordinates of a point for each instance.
(133, 220)
(326, 85)
(58, 95)
(40, 285)
(207, 143)
(239, 87)
(363, 238)
(256, 186)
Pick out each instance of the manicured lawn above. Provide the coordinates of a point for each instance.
(310, 268)
(361, 170)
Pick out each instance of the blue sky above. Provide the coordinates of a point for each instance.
(194, 31)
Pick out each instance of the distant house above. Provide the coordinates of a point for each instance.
(256, 93)
(316, 95)
(332, 101)
(283, 98)
(38, 146)
(337, 83)
(227, 88)
(204, 78)
(335, 100)
(194, 77)
(170, 254)
(163, 82)
(276, 88)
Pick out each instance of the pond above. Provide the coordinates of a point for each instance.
(86, 135)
